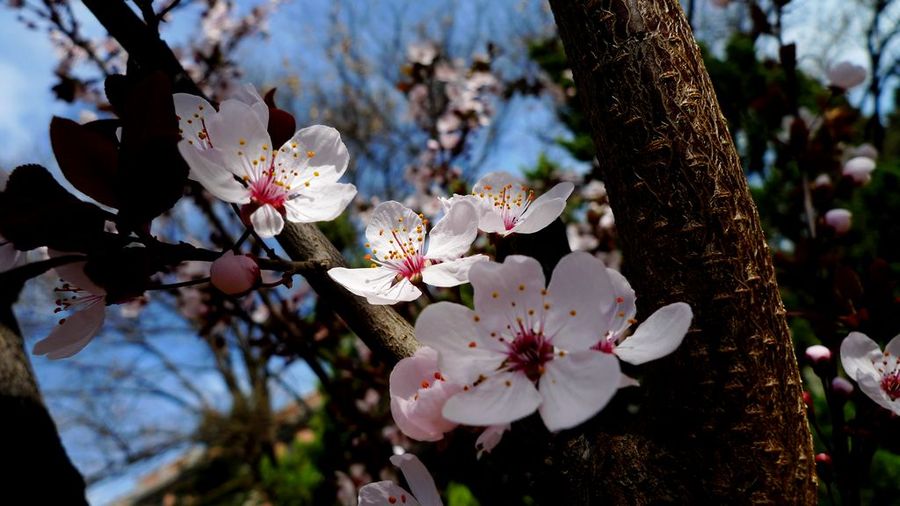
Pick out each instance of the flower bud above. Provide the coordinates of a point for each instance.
(839, 219)
(822, 181)
(808, 400)
(859, 169)
(841, 387)
(233, 274)
(846, 75)
(817, 354)
(418, 394)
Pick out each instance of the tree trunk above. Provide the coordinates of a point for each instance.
(723, 419)
(34, 468)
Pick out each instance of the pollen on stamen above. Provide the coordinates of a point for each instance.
(473, 344)
(521, 288)
(425, 384)
(310, 154)
(573, 313)
(495, 295)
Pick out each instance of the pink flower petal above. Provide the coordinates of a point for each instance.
(576, 387)
(74, 333)
(451, 272)
(501, 398)
(385, 493)
(582, 301)
(418, 478)
(266, 221)
(658, 336)
(453, 234)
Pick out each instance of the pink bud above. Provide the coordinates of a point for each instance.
(822, 181)
(839, 219)
(841, 387)
(823, 458)
(234, 274)
(808, 400)
(817, 354)
(859, 169)
(866, 150)
(846, 75)
(418, 394)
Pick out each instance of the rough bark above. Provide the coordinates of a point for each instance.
(34, 468)
(723, 421)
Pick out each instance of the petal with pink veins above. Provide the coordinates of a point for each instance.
(267, 221)
(376, 284)
(576, 387)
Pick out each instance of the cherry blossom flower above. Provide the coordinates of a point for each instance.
(85, 303)
(876, 373)
(846, 75)
(230, 153)
(403, 253)
(522, 334)
(506, 206)
(233, 274)
(418, 393)
(387, 493)
(859, 168)
(839, 219)
(658, 336)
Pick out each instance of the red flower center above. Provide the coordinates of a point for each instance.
(890, 383)
(528, 353)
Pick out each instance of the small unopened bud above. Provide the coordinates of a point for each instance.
(808, 400)
(839, 219)
(823, 466)
(817, 354)
(841, 387)
(234, 274)
(822, 181)
(859, 169)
